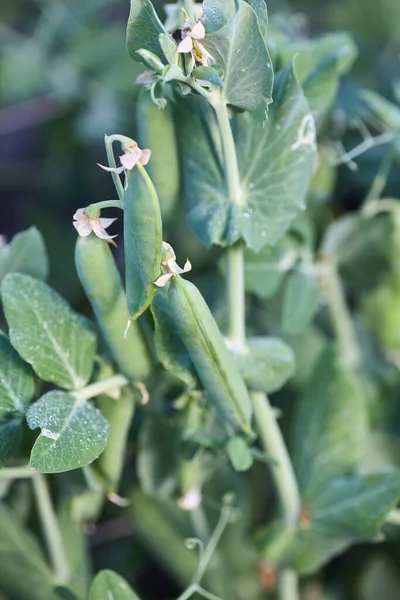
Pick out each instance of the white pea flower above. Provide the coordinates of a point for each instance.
(190, 42)
(191, 500)
(84, 224)
(169, 266)
(131, 157)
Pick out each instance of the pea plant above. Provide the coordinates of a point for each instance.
(159, 407)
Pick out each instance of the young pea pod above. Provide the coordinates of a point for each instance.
(215, 366)
(142, 240)
(101, 281)
(156, 131)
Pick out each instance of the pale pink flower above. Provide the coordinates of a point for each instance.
(131, 157)
(169, 266)
(191, 500)
(191, 43)
(84, 224)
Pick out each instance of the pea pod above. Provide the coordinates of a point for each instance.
(215, 366)
(101, 281)
(155, 130)
(142, 240)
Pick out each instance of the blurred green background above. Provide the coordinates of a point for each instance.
(66, 80)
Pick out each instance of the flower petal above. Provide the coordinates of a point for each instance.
(80, 214)
(187, 267)
(198, 32)
(99, 231)
(117, 170)
(163, 279)
(191, 500)
(130, 159)
(105, 222)
(144, 159)
(186, 45)
(83, 227)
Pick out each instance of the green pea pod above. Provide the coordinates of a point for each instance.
(101, 281)
(155, 130)
(216, 368)
(142, 240)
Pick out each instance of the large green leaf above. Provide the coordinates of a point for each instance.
(266, 363)
(108, 585)
(217, 13)
(169, 346)
(73, 432)
(330, 426)
(26, 253)
(260, 8)
(348, 510)
(275, 164)
(319, 65)
(248, 73)
(143, 29)
(301, 301)
(47, 333)
(16, 391)
(23, 571)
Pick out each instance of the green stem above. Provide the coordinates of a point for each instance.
(282, 469)
(341, 320)
(17, 473)
(192, 589)
(101, 387)
(93, 210)
(212, 544)
(235, 283)
(380, 179)
(109, 140)
(288, 585)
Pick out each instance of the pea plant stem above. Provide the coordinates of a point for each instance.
(48, 518)
(270, 434)
(101, 387)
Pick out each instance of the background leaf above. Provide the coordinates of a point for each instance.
(266, 363)
(23, 570)
(143, 29)
(239, 454)
(47, 333)
(16, 391)
(248, 74)
(26, 253)
(107, 585)
(330, 425)
(300, 302)
(73, 434)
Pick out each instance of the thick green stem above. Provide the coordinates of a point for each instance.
(101, 387)
(341, 320)
(51, 530)
(270, 434)
(282, 469)
(93, 210)
(109, 140)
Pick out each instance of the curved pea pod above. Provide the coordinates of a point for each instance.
(155, 130)
(142, 240)
(101, 281)
(216, 368)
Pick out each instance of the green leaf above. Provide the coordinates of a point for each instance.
(265, 270)
(330, 426)
(23, 570)
(217, 13)
(73, 433)
(239, 48)
(107, 585)
(169, 346)
(47, 333)
(26, 253)
(275, 163)
(239, 454)
(301, 301)
(260, 8)
(319, 65)
(348, 510)
(16, 391)
(143, 29)
(266, 363)
(386, 111)
(158, 460)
